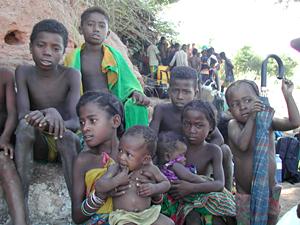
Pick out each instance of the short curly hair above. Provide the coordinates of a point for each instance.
(167, 143)
(206, 108)
(51, 26)
(237, 83)
(184, 73)
(149, 135)
(105, 101)
(91, 10)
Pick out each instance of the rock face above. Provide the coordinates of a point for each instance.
(18, 17)
(16, 21)
(49, 201)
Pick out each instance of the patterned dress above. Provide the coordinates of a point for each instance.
(207, 204)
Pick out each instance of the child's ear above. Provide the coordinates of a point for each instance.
(116, 120)
(108, 33)
(196, 92)
(212, 130)
(80, 29)
(30, 48)
(167, 157)
(147, 159)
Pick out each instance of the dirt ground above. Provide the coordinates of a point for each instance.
(290, 196)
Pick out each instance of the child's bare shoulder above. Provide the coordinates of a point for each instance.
(24, 70)
(164, 109)
(69, 71)
(212, 149)
(87, 160)
(163, 106)
(234, 125)
(150, 170)
(153, 168)
(84, 156)
(6, 75)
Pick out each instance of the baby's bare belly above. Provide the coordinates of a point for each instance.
(130, 201)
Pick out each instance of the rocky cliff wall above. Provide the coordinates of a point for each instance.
(49, 201)
(17, 18)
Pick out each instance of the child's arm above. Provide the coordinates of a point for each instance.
(34, 118)
(140, 98)
(113, 178)
(78, 188)
(55, 122)
(184, 173)
(215, 137)
(160, 186)
(23, 102)
(293, 121)
(240, 135)
(72, 99)
(181, 188)
(156, 118)
(11, 110)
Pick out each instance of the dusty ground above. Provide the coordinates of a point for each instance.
(290, 196)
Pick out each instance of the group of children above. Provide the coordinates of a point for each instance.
(170, 172)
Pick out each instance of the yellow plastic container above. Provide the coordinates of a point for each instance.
(163, 75)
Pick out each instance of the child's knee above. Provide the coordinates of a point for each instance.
(227, 155)
(70, 137)
(69, 142)
(5, 162)
(164, 220)
(24, 131)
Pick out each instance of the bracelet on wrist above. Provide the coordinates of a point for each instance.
(97, 199)
(160, 200)
(84, 211)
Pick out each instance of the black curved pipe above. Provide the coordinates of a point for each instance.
(264, 69)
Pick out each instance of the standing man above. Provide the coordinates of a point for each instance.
(163, 49)
(229, 77)
(154, 59)
(180, 57)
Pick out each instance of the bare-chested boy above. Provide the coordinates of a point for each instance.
(167, 116)
(104, 68)
(136, 149)
(47, 94)
(242, 98)
(9, 177)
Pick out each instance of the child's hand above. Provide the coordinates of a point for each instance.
(179, 189)
(8, 149)
(35, 118)
(140, 98)
(257, 106)
(287, 87)
(55, 122)
(121, 190)
(102, 186)
(146, 189)
(122, 177)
